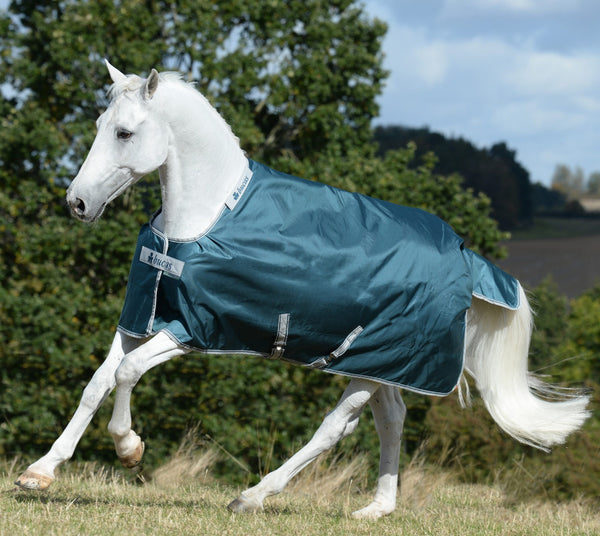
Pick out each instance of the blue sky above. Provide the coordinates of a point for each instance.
(526, 72)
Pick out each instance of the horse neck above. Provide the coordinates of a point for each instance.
(203, 167)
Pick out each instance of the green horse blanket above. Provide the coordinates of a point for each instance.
(300, 271)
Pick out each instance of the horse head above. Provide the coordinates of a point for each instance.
(132, 140)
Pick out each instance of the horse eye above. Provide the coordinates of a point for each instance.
(123, 134)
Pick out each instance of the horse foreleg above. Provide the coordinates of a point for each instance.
(339, 423)
(389, 412)
(157, 350)
(40, 474)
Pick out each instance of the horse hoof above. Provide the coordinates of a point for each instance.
(243, 505)
(34, 481)
(373, 511)
(133, 460)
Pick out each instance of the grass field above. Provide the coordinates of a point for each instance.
(90, 500)
(558, 228)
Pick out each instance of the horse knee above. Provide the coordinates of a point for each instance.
(343, 419)
(127, 374)
(92, 398)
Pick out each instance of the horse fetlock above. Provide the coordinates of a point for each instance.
(245, 505)
(117, 430)
(34, 480)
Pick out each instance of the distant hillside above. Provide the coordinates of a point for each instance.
(493, 171)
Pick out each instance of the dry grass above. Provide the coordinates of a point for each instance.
(91, 500)
(188, 464)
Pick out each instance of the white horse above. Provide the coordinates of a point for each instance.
(163, 123)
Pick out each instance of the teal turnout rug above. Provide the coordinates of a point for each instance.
(323, 278)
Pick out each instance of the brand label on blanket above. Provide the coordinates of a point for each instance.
(239, 190)
(162, 262)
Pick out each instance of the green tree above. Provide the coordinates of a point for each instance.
(493, 171)
(551, 323)
(300, 76)
(582, 343)
(593, 183)
(567, 181)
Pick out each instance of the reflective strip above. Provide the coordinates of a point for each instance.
(280, 341)
(339, 351)
(342, 348)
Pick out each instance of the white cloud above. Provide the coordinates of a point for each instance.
(588, 104)
(510, 6)
(532, 116)
(550, 73)
(486, 70)
(416, 58)
(476, 76)
(518, 68)
(430, 63)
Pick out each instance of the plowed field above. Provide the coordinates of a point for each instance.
(573, 263)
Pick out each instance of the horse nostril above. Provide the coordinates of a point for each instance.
(79, 207)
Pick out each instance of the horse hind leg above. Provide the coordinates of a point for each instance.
(389, 412)
(339, 423)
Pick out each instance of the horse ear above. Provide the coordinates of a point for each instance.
(151, 85)
(116, 75)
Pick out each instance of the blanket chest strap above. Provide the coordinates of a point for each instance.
(283, 326)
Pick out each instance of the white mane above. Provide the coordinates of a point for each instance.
(133, 82)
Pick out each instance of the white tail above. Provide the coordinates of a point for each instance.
(496, 357)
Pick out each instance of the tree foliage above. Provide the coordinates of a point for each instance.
(573, 184)
(493, 171)
(548, 201)
(297, 79)
(593, 184)
(296, 75)
(567, 181)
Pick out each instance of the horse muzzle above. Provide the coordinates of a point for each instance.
(82, 210)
